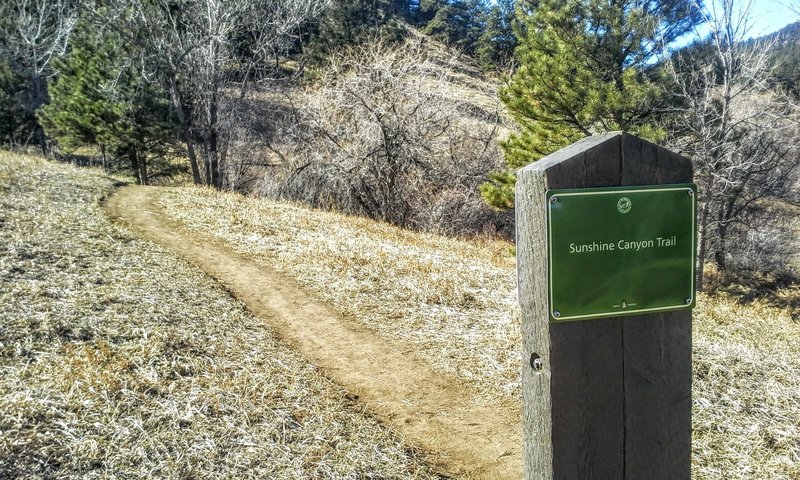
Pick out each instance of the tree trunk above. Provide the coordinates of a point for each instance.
(207, 158)
(135, 165)
(213, 141)
(185, 131)
(38, 97)
(721, 253)
(143, 170)
(187, 138)
(726, 216)
(210, 158)
(214, 154)
(720, 256)
(703, 227)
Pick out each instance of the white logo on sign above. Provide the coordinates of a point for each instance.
(624, 205)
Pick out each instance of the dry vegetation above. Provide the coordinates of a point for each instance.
(120, 361)
(454, 303)
(746, 392)
(400, 133)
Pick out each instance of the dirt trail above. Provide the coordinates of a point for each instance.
(462, 435)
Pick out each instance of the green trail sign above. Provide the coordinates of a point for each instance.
(621, 250)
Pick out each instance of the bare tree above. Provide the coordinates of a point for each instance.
(35, 32)
(740, 130)
(200, 49)
(382, 134)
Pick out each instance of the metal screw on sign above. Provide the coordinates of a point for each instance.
(536, 362)
(690, 192)
(688, 301)
(556, 313)
(553, 199)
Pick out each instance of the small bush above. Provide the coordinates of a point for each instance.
(383, 133)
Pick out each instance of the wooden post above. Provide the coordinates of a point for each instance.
(605, 398)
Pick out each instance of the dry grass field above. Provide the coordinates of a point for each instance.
(453, 302)
(119, 361)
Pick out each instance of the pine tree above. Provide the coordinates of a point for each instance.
(350, 22)
(408, 9)
(459, 23)
(583, 66)
(16, 123)
(81, 112)
(427, 10)
(495, 47)
(99, 100)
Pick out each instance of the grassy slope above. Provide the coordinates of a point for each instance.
(119, 361)
(454, 302)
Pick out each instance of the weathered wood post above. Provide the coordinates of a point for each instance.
(607, 327)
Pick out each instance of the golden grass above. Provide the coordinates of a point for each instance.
(746, 391)
(120, 361)
(454, 303)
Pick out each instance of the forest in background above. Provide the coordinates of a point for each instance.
(414, 112)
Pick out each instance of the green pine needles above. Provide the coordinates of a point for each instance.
(98, 100)
(585, 67)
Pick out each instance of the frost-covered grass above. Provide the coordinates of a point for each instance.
(118, 360)
(453, 302)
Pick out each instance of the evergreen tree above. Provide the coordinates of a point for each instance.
(787, 58)
(427, 10)
(459, 23)
(408, 9)
(16, 123)
(99, 100)
(495, 47)
(350, 22)
(582, 71)
(81, 112)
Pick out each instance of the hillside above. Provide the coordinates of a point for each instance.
(404, 133)
(430, 409)
(118, 357)
(787, 50)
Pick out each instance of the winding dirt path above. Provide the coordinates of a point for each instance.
(462, 435)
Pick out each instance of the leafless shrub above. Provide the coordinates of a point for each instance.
(764, 242)
(382, 134)
(739, 129)
(32, 34)
(252, 126)
(200, 49)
